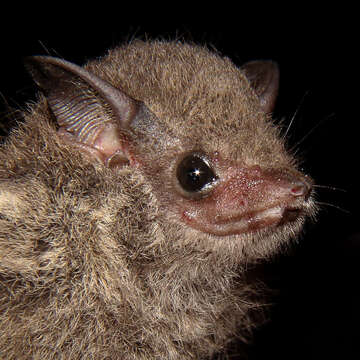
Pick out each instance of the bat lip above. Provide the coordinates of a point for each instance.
(251, 222)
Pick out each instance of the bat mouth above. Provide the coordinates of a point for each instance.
(250, 222)
(290, 215)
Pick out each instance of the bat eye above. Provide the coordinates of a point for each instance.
(195, 174)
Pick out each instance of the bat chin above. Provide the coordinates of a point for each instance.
(246, 223)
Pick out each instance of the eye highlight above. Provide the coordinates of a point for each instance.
(194, 174)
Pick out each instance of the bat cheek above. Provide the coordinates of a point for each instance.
(214, 213)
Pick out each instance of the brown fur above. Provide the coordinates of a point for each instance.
(94, 264)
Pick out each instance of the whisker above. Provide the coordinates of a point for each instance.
(10, 104)
(312, 130)
(334, 206)
(50, 52)
(327, 187)
(44, 47)
(3, 100)
(295, 113)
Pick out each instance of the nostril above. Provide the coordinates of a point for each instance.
(301, 188)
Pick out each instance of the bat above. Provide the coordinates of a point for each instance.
(134, 198)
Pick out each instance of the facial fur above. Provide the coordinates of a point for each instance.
(103, 255)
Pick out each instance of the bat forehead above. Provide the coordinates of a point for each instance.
(203, 99)
(240, 146)
(178, 82)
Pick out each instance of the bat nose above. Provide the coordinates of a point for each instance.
(300, 188)
(291, 183)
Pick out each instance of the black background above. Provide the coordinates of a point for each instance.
(316, 314)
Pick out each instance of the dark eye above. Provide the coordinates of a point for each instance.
(194, 174)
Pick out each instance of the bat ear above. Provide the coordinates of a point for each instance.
(92, 114)
(264, 79)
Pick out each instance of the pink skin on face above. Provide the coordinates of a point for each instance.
(245, 200)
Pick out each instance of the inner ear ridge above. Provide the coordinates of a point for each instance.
(83, 118)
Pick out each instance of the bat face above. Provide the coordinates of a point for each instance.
(200, 132)
(132, 198)
(223, 168)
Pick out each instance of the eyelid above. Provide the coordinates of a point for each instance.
(206, 190)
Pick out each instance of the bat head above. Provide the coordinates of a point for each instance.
(198, 128)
